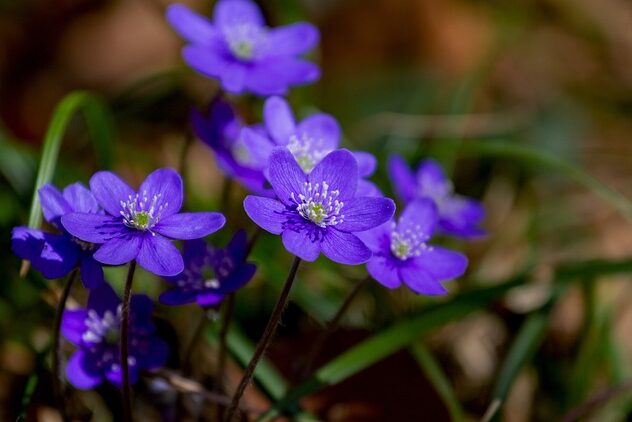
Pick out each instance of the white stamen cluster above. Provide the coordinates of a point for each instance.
(307, 151)
(245, 40)
(105, 328)
(408, 243)
(319, 205)
(141, 212)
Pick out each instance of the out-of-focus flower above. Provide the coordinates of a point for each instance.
(241, 52)
(56, 255)
(458, 216)
(319, 212)
(140, 225)
(210, 273)
(96, 332)
(401, 254)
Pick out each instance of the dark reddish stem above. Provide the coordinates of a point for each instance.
(127, 390)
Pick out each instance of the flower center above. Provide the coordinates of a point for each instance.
(438, 192)
(245, 41)
(105, 329)
(307, 151)
(85, 246)
(142, 213)
(319, 205)
(409, 242)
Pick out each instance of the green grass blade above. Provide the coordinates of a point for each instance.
(439, 380)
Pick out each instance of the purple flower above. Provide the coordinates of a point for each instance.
(56, 255)
(309, 141)
(96, 332)
(140, 225)
(209, 273)
(458, 216)
(241, 52)
(319, 211)
(220, 128)
(401, 254)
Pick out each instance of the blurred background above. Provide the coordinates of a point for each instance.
(527, 103)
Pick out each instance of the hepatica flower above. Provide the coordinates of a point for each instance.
(458, 216)
(210, 273)
(96, 333)
(140, 225)
(56, 255)
(401, 253)
(239, 50)
(318, 212)
(309, 141)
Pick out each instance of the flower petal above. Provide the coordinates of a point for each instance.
(205, 60)
(81, 372)
(461, 217)
(54, 205)
(233, 76)
(208, 299)
(239, 278)
(158, 255)
(442, 264)
(431, 177)
(73, 325)
(367, 163)
(176, 296)
(230, 13)
(91, 272)
(52, 255)
(340, 170)
(269, 214)
(378, 239)
(102, 299)
(279, 120)
(120, 250)
(190, 225)
(93, 228)
(81, 199)
(344, 248)
(115, 374)
(365, 213)
(286, 176)
(280, 72)
(259, 147)
(293, 39)
(419, 280)
(303, 240)
(191, 26)
(157, 356)
(166, 185)
(384, 271)
(419, 216)
(238, 245)
(368, 188)
(402, 178)
(323, 128)
(109, 191)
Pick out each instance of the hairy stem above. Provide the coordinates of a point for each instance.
(127, 391)
(264, 342)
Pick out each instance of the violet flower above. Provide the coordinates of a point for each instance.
(96, 333)
(210, 273)
(458, 215)
(319, 212)
(241, 52)
(401, 253)
(56, 255)
(141, 225)
(309, 141)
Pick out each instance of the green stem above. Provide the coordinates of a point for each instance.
(127, 391)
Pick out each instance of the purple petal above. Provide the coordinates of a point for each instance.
(378, 239)
(205, 60)
(166, 185)
(365, 213)
(157, 356)
(402, 178)
(177, 297)
(238, 245)
(269, 214)
(239, 278)
(461, 216)
(120, 250)
(208, 299)
(190, 225)
(81, 199)
(140, 311)
(103, 299)
(93, 228)
(419, 280)
(384, 271)
(233, 76)
(340, 170)
(273, 75)
(286, 176)
(195, 252)
(191, 26)
(303, 241)
(279, 120)
(52, 255)
(81, 373)
(54, 205)
(367, 163)
(442, 264)
(259, 147)
(368, 188)
(344, 248)
(73, 325)
(293, 39)
(431, 177)
(230, 13)
(158, 255)
(323, 128)
(419, 216)
(91, 272)
(115, 375)
(109, 191)
(263, 82)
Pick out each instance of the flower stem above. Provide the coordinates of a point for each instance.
(264, 342)
(57, 355)
(331, 328)
(127, 295)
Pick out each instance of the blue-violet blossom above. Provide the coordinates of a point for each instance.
(210, 273)
(401, 253)
(458, 216)
(96, 333)
(140, 225)
(319, 211)
(241, 52)
(56, 255)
